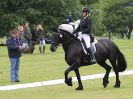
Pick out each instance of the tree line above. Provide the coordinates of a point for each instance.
(109, 16)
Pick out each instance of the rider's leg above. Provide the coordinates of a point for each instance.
(92, 56)
(86, 38)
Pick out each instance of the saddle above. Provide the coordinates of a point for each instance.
(87, 58)
(92, 45)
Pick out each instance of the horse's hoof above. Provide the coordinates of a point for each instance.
(69, 81)
(105, 84)
(79, 88)
(116, 86)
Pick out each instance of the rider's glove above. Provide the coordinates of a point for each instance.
(79, 33)
(76, 35)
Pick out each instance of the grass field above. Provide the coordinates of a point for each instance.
(37, 67)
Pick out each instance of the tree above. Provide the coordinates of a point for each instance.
(118, 16)
(49, 13)
(86, 2)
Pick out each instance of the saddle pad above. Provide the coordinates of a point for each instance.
(66, 27)
(92, 45)
(69, 27)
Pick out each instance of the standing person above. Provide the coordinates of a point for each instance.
(22, 35)
(84, 31)
(28, 34)
(69, 18)
(14, 46)
(40, 35)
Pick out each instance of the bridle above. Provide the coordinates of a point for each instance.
(62, 39)
(53, 41)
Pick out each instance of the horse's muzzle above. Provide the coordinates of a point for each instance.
(53, 49)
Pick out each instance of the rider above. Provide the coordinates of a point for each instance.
(84, 31)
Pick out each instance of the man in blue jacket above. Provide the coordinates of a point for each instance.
(14, 46)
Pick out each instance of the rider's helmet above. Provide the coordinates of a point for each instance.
(85, 9)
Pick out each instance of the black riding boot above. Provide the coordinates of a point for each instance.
(43, 49)
(40, 49)
(92, 56)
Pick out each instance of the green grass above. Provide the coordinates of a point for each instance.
(37, 67)
(93, 89)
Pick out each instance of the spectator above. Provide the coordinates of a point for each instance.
(28, 34)
(69, 18)
(14, 46)
(23, 37)
(40, 35)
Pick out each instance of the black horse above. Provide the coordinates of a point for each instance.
(75, 57)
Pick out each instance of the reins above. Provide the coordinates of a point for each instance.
(67, 41)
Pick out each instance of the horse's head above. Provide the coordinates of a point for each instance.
(61, 37)
(56, 40)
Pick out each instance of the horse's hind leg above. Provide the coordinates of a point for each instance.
(117, 83)
(115, 68)
(112, 60)
(80, 87)
(106, 76)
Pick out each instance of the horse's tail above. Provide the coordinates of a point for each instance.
(122, 64)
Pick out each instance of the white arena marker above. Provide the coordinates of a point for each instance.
(58, 81)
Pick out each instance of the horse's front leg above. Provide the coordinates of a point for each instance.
(80, 87)
(68, 81)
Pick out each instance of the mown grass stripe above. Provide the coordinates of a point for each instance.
(58, 81)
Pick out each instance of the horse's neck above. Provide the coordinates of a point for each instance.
(67, 40)
(67, 37)
(66, 46)
(72, 47)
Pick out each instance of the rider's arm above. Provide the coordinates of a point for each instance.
(77, 29)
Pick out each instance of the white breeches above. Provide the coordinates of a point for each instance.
(86, 38)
